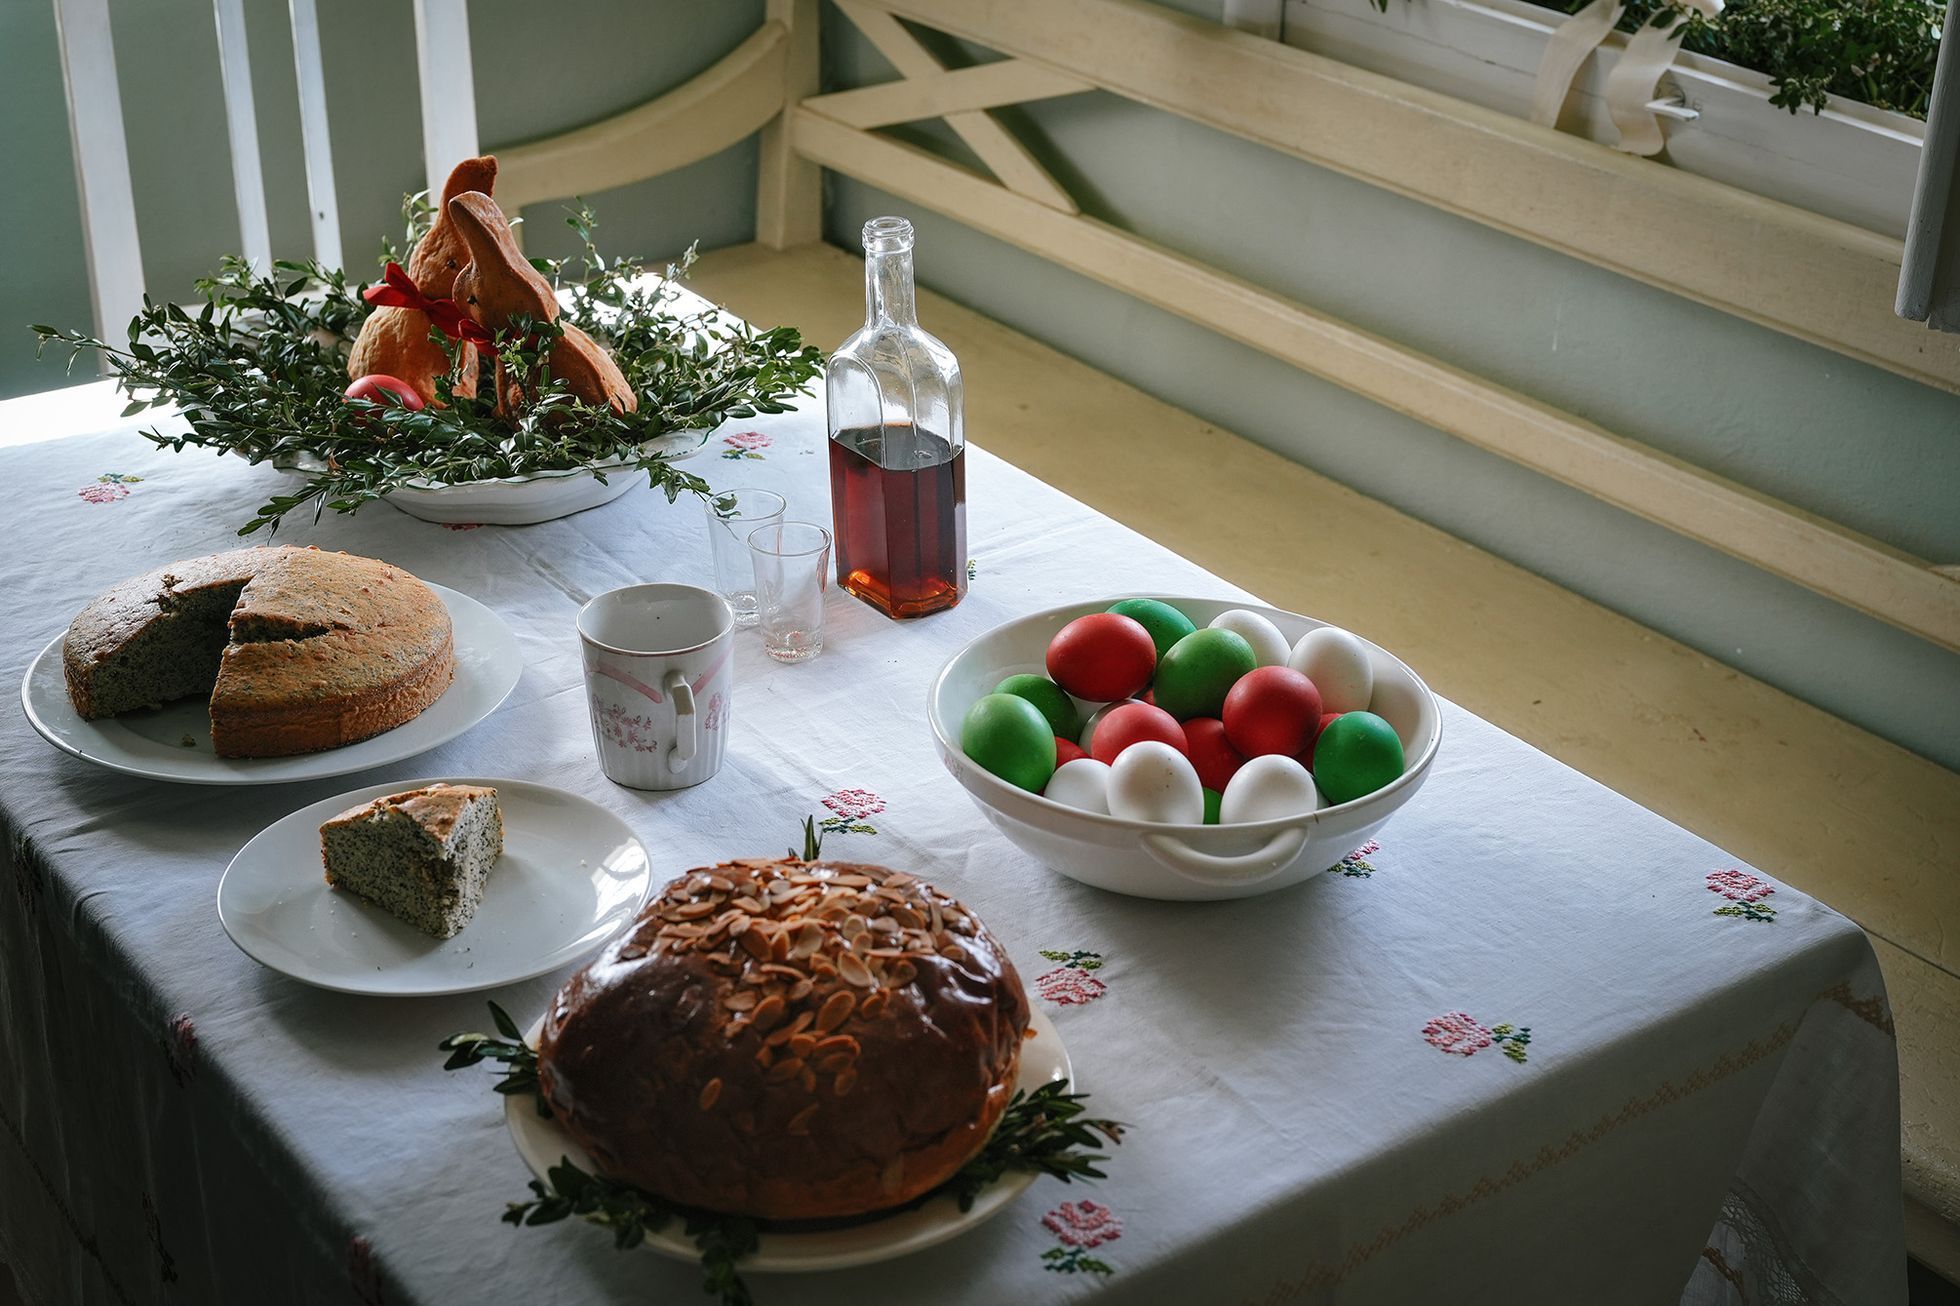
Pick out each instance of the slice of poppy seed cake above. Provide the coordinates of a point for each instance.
(423, 856)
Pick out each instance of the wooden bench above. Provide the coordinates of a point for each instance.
(1866, 826)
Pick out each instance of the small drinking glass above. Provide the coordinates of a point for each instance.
(728, 537)
(792, 570)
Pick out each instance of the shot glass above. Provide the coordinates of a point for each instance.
(792, 570)
(728, 539)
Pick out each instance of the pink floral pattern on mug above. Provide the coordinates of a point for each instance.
(1460, 1034)
(850, 810)
(1079, 1227)
(627, 731)
(745, 444)
(1071, 984)
(717, 712)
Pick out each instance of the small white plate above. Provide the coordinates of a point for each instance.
(571, 875)
(543, 1144)
(151, 744)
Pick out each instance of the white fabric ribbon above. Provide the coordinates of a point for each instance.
(1635, 79)
(1576, 38)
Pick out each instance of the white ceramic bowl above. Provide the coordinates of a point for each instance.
(1149, 860)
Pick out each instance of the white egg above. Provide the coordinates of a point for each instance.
(1338, 665)
(1151, 781)
(1268, 645)
(1082, 784)
(1095, 719)
(1267, 788)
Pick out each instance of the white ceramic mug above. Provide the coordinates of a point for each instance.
(660, 682)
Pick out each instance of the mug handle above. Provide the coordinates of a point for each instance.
(686, 732)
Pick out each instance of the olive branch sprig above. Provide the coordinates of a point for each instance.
(1047, 1131)
(261, 370)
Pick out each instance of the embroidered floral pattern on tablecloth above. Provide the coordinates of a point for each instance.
(627, 731)
(461, 525)
(1459, 1034)
(849, 810)
(972, 569)
(1080, 1227)
(1071, 984)
(108, 487)
(1354, 864)
(180, 1049)
(745, 444)
(1745, 892)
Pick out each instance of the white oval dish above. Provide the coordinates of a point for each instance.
(571, 876)
(527, 500)
(1148, 860)
(151, 744)
(543, 1144)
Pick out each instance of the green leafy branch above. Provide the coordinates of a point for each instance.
(261, 371)
(1048, 1132)
(519, 1059)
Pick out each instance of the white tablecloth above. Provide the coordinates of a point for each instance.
(1533, 1047)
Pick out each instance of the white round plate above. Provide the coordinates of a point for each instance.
(543, 1144)
(151, 744)
(571, 875)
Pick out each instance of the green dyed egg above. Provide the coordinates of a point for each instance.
(1165, 623)
(1355, 755)
(1212, 799)
(1049, 698)
(1193, 677)
(1007, 735)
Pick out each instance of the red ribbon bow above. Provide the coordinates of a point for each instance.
(398, 290)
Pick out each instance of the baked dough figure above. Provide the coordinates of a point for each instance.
(497, 286)
(395, 341)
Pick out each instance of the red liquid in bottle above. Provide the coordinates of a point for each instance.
(898, 503)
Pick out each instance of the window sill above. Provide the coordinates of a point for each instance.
(1852, 162)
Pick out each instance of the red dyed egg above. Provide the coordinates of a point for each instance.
(1272, 710)
(1102, 657)
(1306, 758)
(1133, 723)
(1211, 752)
(1066, 751)
(390, 391)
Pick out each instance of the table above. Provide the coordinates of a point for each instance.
(1537, 1045)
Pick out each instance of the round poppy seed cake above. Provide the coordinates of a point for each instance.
(788, 1040)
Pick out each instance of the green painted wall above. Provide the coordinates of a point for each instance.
(1837, 437)
(537, 69)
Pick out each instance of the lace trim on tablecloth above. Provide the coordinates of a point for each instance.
(1752, 1262)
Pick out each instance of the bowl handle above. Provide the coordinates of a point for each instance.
(1209, 868)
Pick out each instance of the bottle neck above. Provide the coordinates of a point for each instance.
(888, 288)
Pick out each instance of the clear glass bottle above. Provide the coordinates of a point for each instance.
(897, 445)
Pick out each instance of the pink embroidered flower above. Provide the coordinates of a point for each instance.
(1738, 885)
(745, 444)
(1066, 986)
(1456, 1032)
(854, 804)
(1083, 1224)
(103, 493)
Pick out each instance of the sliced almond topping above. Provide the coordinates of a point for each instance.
(755, 945)
(853, 971)
(738, 927)
(823, 966)
(721, 884)
(710, 1092)
(875, 1004)
(953, 952)
(781, 1035)
(851, 881)
(764, 1055)
(886, 953)
(779, 946)
(836, 1010)
(904, 973)
(747, 904)
(768, 1013)
(838, 1043)
(808, 1081)
(846, 1081)
(799, 1124)
(833, 1064)
(786, 1069)
(799, 1044)
(739, 1000)
(802, 989)
(694, 909)
(808, 940)
(908, 918)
